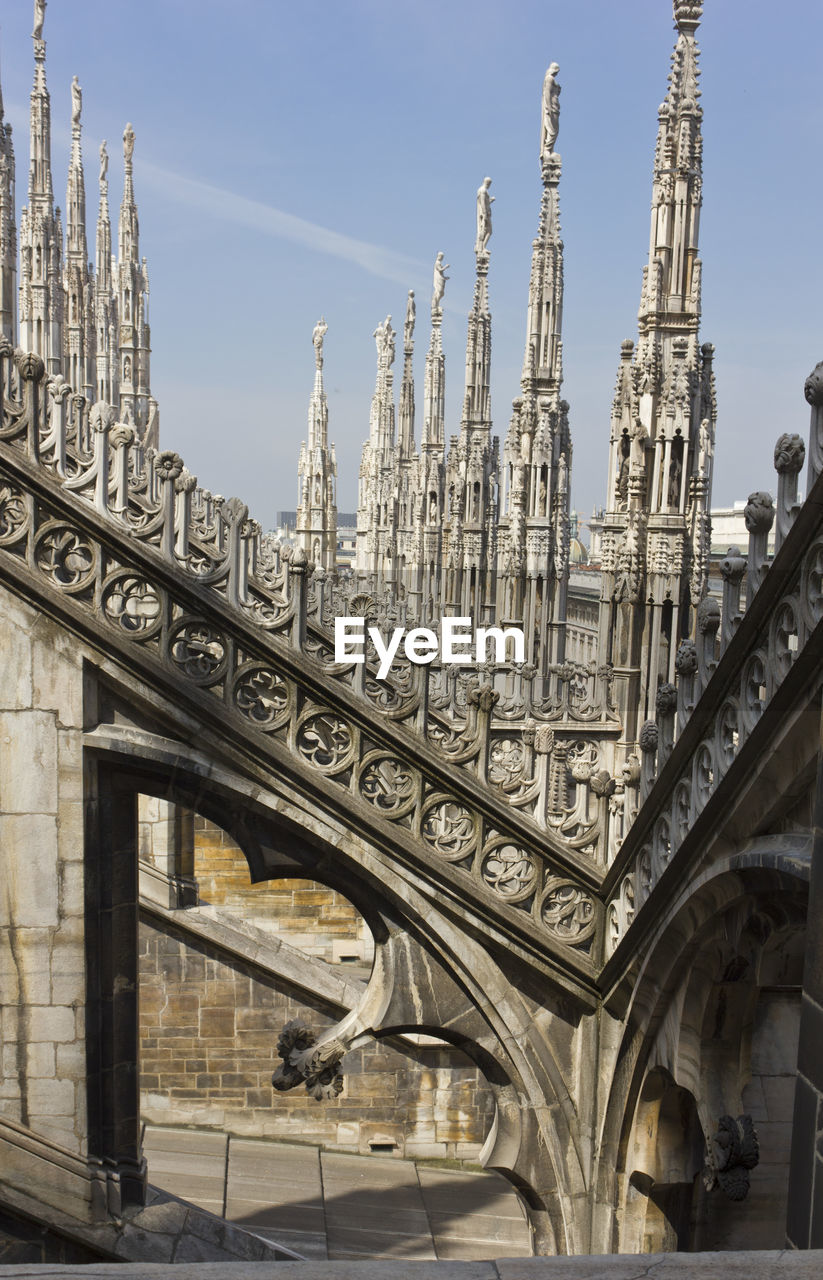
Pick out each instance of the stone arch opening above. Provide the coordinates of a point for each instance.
(666, 1155)
(222, 1005)
(717, 1008)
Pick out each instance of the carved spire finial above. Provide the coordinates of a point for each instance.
(687, 14)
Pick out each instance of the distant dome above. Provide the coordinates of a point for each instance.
(577, 552)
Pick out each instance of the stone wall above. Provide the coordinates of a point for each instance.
(209, 1028)
(42, 959)
(310, 916)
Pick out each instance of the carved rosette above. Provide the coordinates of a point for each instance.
(66, 556)
(199, 650)
(567, 912)
(811, 585)
(509, 871)
(262, 696)
(449, 828)
(14, 520)
(388, 784)
(783, 639)
(326, 741)
(753, 689)
(132, 604)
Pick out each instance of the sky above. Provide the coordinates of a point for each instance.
(298, 161)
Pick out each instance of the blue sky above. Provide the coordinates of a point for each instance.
(293, 161)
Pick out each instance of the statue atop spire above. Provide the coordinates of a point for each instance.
(439, 283)
(128, 145)
(551, 112)
(484, 217)
(318, 334)
(384, 338)
(104, 164)
(408, 326)
(39, 19)
(76, 103)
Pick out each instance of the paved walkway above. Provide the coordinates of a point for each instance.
(325, 1204)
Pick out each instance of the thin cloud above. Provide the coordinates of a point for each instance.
(231, 207)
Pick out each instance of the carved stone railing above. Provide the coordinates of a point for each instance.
(178, 585)
(704, 724)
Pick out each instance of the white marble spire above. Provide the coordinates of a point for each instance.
(41, 234)
(79, 315)
(8, 231)
(656, 525)
(317, 472)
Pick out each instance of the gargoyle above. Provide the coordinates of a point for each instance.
(731, 1152)
(304, 1061)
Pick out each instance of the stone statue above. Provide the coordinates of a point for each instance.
(318, 334)
(128, 143)
(384, 337)
(484, 216)
(76, 101)
(551, 112)
(408, 327)
(440, 278)
(39, 18)
(104, 162)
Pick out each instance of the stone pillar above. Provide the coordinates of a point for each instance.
(804, 1225)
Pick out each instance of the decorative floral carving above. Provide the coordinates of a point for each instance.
(733, 566)
(708, 616)
(65, 556)
(132, 603)
(388, 784)
(198, 649)
(510, 872)
(168, 465)
(261, 696)
(759, 512)
(813, 389)
(753, 688)
(567, 911)
(666, 700)
(325, 741)
(13, 517)
(449, 828)
(507, 760)
(685, 663)
(789, 454)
